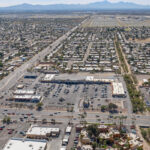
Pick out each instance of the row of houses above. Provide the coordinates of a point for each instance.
(111, 134)
(137, 49)
(22, 38)
(87, 49)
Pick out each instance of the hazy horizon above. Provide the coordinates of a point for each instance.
(5, 3)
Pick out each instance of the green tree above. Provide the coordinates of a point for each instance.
(144, 133)
(103, 108)
(1, 64)
(140, 148)
(7, 119)
(39, 105)
(112, 107)
(94, 145)
(93, 130)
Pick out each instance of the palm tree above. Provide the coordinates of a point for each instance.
(115, 118)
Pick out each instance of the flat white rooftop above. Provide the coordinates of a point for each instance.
(23, 92)
(68, 129)
(63, 148)
(43, 131)
(25, 144)
(48, 77)
(118, 88)
(27, 97)
(91, 78)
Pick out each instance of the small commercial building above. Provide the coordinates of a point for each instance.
(48, 77)
(79, 127)
(145, 81)
(85, 138)
(86, 147)
(68, 130)
(37, 132)
(20, 86)
(134, 141)
(63, 148)
(118, 90)
(65, 140)
(103, 128)
(27, 98)
(25, 144)
(24, 92)
(98, 80)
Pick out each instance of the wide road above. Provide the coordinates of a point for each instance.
(75, 117)
(13, 77)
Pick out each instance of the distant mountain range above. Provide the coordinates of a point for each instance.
(104, 5)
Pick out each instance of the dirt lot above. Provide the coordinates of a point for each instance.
(140, 40)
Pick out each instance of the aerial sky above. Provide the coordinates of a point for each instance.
(44, 2)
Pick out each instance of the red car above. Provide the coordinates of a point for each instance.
(10, 132)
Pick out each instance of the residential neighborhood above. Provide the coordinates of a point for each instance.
(75, 79)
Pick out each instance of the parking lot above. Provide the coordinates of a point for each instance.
(146, 94)
(70, 97)
(19, 129)
(62, 102)
(8, 131)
